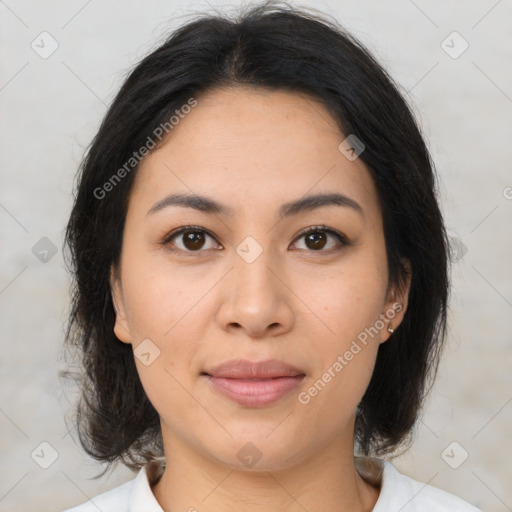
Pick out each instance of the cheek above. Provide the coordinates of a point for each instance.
(346, 300)
(349, 304)
(160, 300)
(165, 306)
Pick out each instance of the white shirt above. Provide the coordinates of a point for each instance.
(398, 493)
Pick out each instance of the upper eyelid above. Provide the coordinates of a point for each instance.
(338, 234)
(184, 229)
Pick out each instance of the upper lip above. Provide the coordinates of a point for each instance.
(244, 369)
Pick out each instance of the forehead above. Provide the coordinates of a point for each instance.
(254, 149)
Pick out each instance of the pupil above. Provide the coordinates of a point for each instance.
(317, 239)
(193, 240)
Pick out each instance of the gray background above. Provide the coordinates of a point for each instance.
(51, 108)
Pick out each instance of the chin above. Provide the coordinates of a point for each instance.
(257, 449)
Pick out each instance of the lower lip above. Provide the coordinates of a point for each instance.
(255, 393)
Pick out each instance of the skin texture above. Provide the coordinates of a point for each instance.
(253, 150)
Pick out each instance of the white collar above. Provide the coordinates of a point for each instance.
(141, 496)
(397, 491)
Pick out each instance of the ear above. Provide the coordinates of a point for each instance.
(396, 304)
(121, 328)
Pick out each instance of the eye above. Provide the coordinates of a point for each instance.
(317, 238)
(194, 239)
(189, 239)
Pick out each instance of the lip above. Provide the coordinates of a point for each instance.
(254, 384)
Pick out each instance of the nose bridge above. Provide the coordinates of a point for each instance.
(256, 298)
(253, 278)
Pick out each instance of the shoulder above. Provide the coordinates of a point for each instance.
(134, 495)
(399, 492)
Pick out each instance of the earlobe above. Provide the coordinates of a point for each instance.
(396, 305)
(393, 316)
(121, 329)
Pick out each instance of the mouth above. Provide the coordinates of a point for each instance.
(254, 384)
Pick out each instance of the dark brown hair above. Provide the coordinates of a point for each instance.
(273, 46)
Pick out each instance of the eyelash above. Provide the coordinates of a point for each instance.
(343, 241)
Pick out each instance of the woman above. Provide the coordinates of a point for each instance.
(261, 275)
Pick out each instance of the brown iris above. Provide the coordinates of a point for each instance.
(316, 240)
(193, 240)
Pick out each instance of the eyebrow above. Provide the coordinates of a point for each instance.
(208, 205)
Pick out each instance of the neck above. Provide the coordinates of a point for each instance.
(328, 480)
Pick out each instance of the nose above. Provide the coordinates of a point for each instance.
(255, 299)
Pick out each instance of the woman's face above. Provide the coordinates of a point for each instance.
(253, 339)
